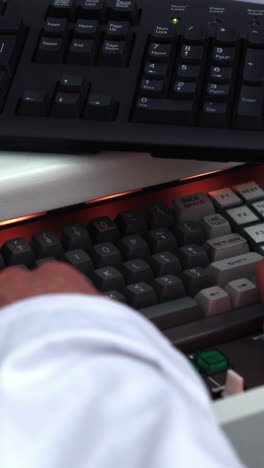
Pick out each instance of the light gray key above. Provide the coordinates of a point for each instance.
(242, 215)
(259, 208)
(255, 233)
(215, 225)
(193, 207)
(233, 268)
(173, 313)
(249, 191)
(225, 198)
(226, 246)
(213, 301)
(242, 293)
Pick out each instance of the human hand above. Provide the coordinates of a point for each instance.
(51, 278)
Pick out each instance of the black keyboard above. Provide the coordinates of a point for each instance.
(183, 255)
(152, 75)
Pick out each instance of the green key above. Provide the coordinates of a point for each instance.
(212, 361)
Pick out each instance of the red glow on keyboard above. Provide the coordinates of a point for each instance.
(111, 197)
(202, 175)
(22, 218)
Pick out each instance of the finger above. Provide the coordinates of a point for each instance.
(260, 278)
(12, 283)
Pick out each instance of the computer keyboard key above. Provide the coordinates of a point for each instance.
(188, 233)
(173, 313)
(100, 107)
(34, 103)
(236, 267)
(57, 27)
(215, 226)
(255, 38)
(193, 255)
(43, 261)
(50, 50)
(212, 361)
(155, 70)
(229, 245)
(249, 191)
(223, 55)
(91, 8)
(241, 215)
(9, 53)
(163, 33)
(215, 114)
(103, 229)
(169, 287)
(193, 207)
(18, 251)
(76, 236)
(114, 53)
(249, 113)
(108, 278)
(86, 29)
(80, 260)
(117, 30)
(47, 244)
(140, 295)
(218, 91)
(135, 271)
(220, 74)
(159, 215)
(67, 105)
(82, 52)
(253, 71)
(195, 279)
(158, 110)
(214, 301)
(164, 263)
(116, 296)
(152, 87)
(258, 207)
(225, 198)
(73, 84)
(125, 10)
(254, 234)
(184, 89)
(193, 34)
(131, 222)
(61, 8)
(226, 36)
(191, 53)
(242, 293)
(161, 239)
(106, 254)
(188, 72)
(159, 52)
(134, 246)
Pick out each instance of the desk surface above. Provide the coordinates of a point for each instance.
(32, 183)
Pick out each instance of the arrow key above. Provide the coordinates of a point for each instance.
(67, 105)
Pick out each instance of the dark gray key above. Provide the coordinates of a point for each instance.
(189, 233)
(191, 53)
(117, 30)
(82, 51)
(226, 36)
(159, 215)
(157, 110)
(140, 295)
(188, 72)
(127, 10)
(76, 236)
(34, 103)
(18, 251)
(253, 67)
(159, 52)
(155, 70)
(193, 207)
(215, 114)
(8, 53)
(67, 105)
(249, 114)
(173, 313)
(86, 29)
(116, 296)
(134, 246)
(152, 87)
(103, 230)
(163, 33)
(135, 271)
(218, 91)
(161, 239)
(106, 254)
(164, 263)
(50, 50)
(220, 74)
(100, 107)
(223, 55)
(131, 222)
(114, 53)
(108, 278)
(91, 8)
(184, 89)
(169, 287)
(193, 255)
(56, 27)
(61, 8)
(47, 244)
(73, 84)
(194, 34)
(42, 261)
(195, 279)
(80, 260)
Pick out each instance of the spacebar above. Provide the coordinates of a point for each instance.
(217, 329)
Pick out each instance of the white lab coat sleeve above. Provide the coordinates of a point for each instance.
(86, 382)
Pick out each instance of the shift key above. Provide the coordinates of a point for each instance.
(232, 268)
(9, 53)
